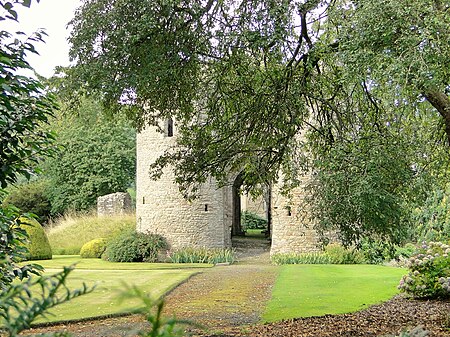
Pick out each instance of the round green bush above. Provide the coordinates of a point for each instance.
(131, 246)
(93, 249)
(38, 245)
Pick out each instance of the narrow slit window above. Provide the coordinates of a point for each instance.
(170, 127)
(206, 207)
(143, 200)
(289, 212)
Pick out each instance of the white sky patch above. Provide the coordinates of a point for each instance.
(53, 16)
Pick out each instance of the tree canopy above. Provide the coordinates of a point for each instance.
(24, 104)
(270, 89)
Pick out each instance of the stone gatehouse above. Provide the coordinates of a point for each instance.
(210, 220)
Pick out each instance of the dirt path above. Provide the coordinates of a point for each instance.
(227, 296)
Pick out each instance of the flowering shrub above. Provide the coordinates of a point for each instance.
(429, 275)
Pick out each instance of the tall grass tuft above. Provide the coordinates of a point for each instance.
(305, 258)
(201, 255)
(334, 254)
(69, 233)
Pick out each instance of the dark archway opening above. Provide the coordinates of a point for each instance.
(237, 229)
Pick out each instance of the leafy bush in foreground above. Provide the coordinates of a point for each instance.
(93, 249)
(429, 275)
(201, 255)
(131, 246)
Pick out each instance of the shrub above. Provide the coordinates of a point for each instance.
(429, 275)
(38, 245)
(31, 198)
(341, 255)
(202, 255)
(378, 251)
(306, 258)
(251, 220)
(93, 249)
(131, 246)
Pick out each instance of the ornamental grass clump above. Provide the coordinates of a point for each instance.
(201, 255)
(305, 258)
(429, 275)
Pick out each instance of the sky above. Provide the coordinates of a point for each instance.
(53, 15)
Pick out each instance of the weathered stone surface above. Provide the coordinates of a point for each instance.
(160, 208)
(114, 204)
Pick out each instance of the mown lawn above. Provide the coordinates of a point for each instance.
(315, 290)
(153, 278)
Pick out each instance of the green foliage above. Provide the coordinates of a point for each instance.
(13, 240)
(96, 157)
(333, 254)
(24, 104)
(341, 255)
(432, 219)
(93, 249)
(429, 275)
(305, 258)
(31, 197)
(201, 255)
(250, 220)
(152, 311)
(70, 232)
(131, 246)
(378, 251)
(244, 82)
(360, 188)
(38, 245)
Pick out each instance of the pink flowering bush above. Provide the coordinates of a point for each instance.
(429, 275)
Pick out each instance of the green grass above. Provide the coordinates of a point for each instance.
(315, 290)
(154, 278)
(255, 233)
(59, 261)
(68, 234)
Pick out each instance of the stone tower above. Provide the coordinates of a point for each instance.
(208, 220)
(161, 209)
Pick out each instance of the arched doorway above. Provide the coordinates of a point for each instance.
(265, 211)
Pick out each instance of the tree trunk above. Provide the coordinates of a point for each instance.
(441, 102)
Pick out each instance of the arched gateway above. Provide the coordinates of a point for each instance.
(208, 220)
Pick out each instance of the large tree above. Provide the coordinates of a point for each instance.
(246, 79)
(24, 104)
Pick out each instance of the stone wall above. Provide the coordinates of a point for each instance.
(291, 230)
(160, 208)
(114, 204)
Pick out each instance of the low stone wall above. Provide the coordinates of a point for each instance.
(114, 204)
